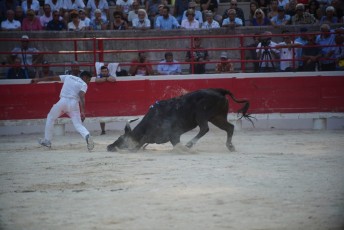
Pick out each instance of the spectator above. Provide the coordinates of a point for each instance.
(29, 56)
(19, 14)
(56, 24)
(285, 3)
(10, 23)
(125, 7)
(339, 8)
(66, 17)
(211, 5)
(31, 22)
(264, 5)
(251, 53)
(118, 23)
(224, 66)
(196, 56)
(198, 14)
(134, 12)
(169, 66)
(339, 53)
(152, 9)
(103, 5)
(210, 23)
(327, 38)
(142, 22)
(310, 54)
(6, 5)
(329, 18)
(73, 5)
(239, 11)
(190, 22)
(74, 69)
(166, 21)
(266, 53)
(288, 50)
(140, 66)
(273, 9)
(98, 23)
(303, 40)
(232, 21)
(281, 19)
(46, 17)
(16, 71)
(259, 19)
(30, 4)
(180, 6)
(76, 24)
(83, 17)
(291, 8)
(253, 7)
(55, 4)
(302, 17)
(313, 8)
(46, 71)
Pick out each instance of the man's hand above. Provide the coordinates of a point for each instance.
(34, 81)
(82, 115)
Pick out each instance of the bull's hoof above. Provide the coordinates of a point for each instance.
(189, 144)
(179, 148)
(230, 147)
(111, 149)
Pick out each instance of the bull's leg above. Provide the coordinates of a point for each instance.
(204, 128)
(223, 124)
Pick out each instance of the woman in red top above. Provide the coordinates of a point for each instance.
(31, 22)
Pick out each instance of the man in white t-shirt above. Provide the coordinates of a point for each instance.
(10, 23)
(72, 94)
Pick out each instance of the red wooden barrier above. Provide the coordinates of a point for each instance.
(293, 94)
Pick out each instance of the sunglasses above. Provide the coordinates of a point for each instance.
(234, 4)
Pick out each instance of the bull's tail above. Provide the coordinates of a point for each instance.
(242, 110)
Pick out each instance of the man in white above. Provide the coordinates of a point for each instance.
(266, 52)
(47, 16)
(209, 22)
(30, 4)
(72, 93)
(54, 4)
(169, 66)
(142, 22)
(198, 14)
(10, 23)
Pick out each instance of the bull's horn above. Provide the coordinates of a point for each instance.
(127, 125)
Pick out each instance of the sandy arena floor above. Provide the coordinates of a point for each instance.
(275, 180)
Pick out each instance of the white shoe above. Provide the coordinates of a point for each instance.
(44, 142)
(90, 143)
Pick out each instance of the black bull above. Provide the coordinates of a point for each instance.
(167, 120)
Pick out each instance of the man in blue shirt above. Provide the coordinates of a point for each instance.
(169, 66)
(327, 38)
(166, 21)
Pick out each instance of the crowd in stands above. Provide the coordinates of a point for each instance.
(83, 15)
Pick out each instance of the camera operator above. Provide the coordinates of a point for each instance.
(140, 66)
(266, 52)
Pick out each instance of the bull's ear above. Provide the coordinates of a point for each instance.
(127, 128)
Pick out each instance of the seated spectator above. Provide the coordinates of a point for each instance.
(83, 17)
(73, 5)
(166, 21)
(209, 22)
(31, 22)
(259, 19)
(74, 69)
(10, 23)
(327, 63)
(134, 12)
(224, 66)
(266, 53)
(6, 5)
(210, 5)
(239, 12)
(232, 21)
(19, 14)
(197, 57)
(302, 39)
(16, 71)
(55, 4)
(310, 54)
(281, 19)
(98, 23)
(273, 9)
(56, 24)
(119, 23)
(125, 7)
(152, 9)
(45, 71)
(66, 17)
(313, 7)
(102, 5)
(190, 22)
(30, 4)
(142, 22)
(28, 56)
(198, 14)
(288, 51)
(46, 17)
(251, 53)
(76, 24)
(253, 7)
(140, 66)
(179, 7)
(105, 75)
(329, 18)
(169, 66)
(264, 5)
(302, 17)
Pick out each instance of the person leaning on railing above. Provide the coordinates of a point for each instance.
(327, 38)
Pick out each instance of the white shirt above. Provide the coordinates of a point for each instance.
(103, 5)
(287, 53)
(25, 55)
(138, 24)
(72, 85)
(71, 26)
(214, 24)
(34, 6)
(266, 59)
(198, 16)
(187, 25)
(125, 4)
(7, 25)
(69, 5)
(57, 6)
(45, 20)
(169, 68)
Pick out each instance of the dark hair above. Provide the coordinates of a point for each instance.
(168, 54)
(117, 13)
(167, 8)
(86, 74)
(103, 67)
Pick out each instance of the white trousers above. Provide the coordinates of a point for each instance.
(65, 106)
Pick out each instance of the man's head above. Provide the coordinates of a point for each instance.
(30, 14)
(24, 41)
(75, 68)
(141, 14)
(325, 30)
(142, 57)
(231, 13)
(10, 15)
(168, 56)
(165, 11)
(104, 71)
(86, 76)
(233, 4)
(300, 8)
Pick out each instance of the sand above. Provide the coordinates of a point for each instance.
(276, 179)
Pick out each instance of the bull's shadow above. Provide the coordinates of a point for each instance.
(167, 120)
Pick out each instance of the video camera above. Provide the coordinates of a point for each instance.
(266, 41)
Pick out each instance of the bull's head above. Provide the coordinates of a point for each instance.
(125, 141)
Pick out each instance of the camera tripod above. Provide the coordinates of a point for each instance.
(266, 57)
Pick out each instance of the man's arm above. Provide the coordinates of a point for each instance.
(82, 105)
(53, 78)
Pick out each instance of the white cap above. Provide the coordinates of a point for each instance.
(224, 55)
(25, 37)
